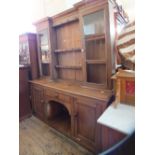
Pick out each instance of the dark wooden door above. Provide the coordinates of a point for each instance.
(24, 103)
(38, 101)
(87, 131)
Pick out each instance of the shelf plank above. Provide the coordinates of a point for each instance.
(96, 61)
(94, 37)
(45, 63)
(67, 50)
(68, 67)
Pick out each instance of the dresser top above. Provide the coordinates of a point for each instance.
(75, 89)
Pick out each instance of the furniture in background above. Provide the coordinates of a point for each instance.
(120, 115)
(125, 45)
(24, 102)
(124, 84)
(28, 70)
(28, 53)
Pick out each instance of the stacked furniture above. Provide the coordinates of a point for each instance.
(28, 55)
(28, 70)
(24, 102)
(76, 60)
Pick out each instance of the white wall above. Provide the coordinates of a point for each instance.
(45, 8)
(129, 7)
(33, 10)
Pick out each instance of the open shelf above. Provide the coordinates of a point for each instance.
(96, 61)
(67, 50)
(94, 37)
(96, 73)
(68, 67)
(62, 123)
(59, 117)
(45, 62)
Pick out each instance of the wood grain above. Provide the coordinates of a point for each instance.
(36, 138)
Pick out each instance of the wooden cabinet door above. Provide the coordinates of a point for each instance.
(38, 101)
(24, 103)
(87, 131)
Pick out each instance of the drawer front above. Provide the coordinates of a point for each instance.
(64, 98)
(51, 93)
(58, 96)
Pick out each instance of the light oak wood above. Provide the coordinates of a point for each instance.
(69, 46)
(74, 89)
(80, 68)
(95, 61)
(67, 107)
(67, 50)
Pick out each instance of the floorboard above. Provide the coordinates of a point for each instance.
(37, 138)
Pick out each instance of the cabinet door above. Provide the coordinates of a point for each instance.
(87, 130)
(95, 46)
(24, 103)
(44, 52)
(24, 55)
(38, 101)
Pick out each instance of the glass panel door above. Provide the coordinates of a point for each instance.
(95, 47)
(44, 46)
(93, 23)
(44, 52)
(24, 57)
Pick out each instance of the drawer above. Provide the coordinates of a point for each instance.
(64, 98)
(58, 96)
(51, 93)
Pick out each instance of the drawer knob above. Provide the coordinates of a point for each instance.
(42, 101)
(78, 139)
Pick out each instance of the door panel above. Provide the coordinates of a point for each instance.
(38, 101)
(87, 130)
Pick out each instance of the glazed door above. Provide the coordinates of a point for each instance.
(95, 47)
(87, 130)
(24, 55)
(38, 101)
(44, 53)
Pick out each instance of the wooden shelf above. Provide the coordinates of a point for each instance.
(96, 61)
(94, 37)
(45, 63)
(67, 50)
(68, 67)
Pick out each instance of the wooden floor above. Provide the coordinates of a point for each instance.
(37, 138)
